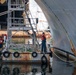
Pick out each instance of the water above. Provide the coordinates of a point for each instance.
(56, 68)
(62, 68)
(24, 69)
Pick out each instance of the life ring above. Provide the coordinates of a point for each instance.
(16, 70)
(16, 54)
(34, 70)
(34, 54)
(43, 59)
(6, 54)
(6, 70)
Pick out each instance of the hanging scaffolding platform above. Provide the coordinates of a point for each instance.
(21, 53)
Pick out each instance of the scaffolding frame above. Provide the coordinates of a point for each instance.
(19, 23)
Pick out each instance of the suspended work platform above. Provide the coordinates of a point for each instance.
(19, 19)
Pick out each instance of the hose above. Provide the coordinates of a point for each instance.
(63, 59)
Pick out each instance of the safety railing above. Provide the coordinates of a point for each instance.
(34, 33)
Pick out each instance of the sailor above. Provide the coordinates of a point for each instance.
(43, 38)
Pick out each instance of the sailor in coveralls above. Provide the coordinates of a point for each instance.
(43, 38)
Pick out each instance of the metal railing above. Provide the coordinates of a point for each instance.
(34, 33)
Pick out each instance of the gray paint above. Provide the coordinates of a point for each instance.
(59, 14)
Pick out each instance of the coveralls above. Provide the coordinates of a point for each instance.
(43, 38)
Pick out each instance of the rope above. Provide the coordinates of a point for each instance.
(63, 59)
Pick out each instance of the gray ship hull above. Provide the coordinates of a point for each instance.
(61, 16)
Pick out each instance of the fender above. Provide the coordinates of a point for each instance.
(34, 54)
(6, 54)
(16, 54)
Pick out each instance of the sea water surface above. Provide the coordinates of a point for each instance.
(56, 67)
